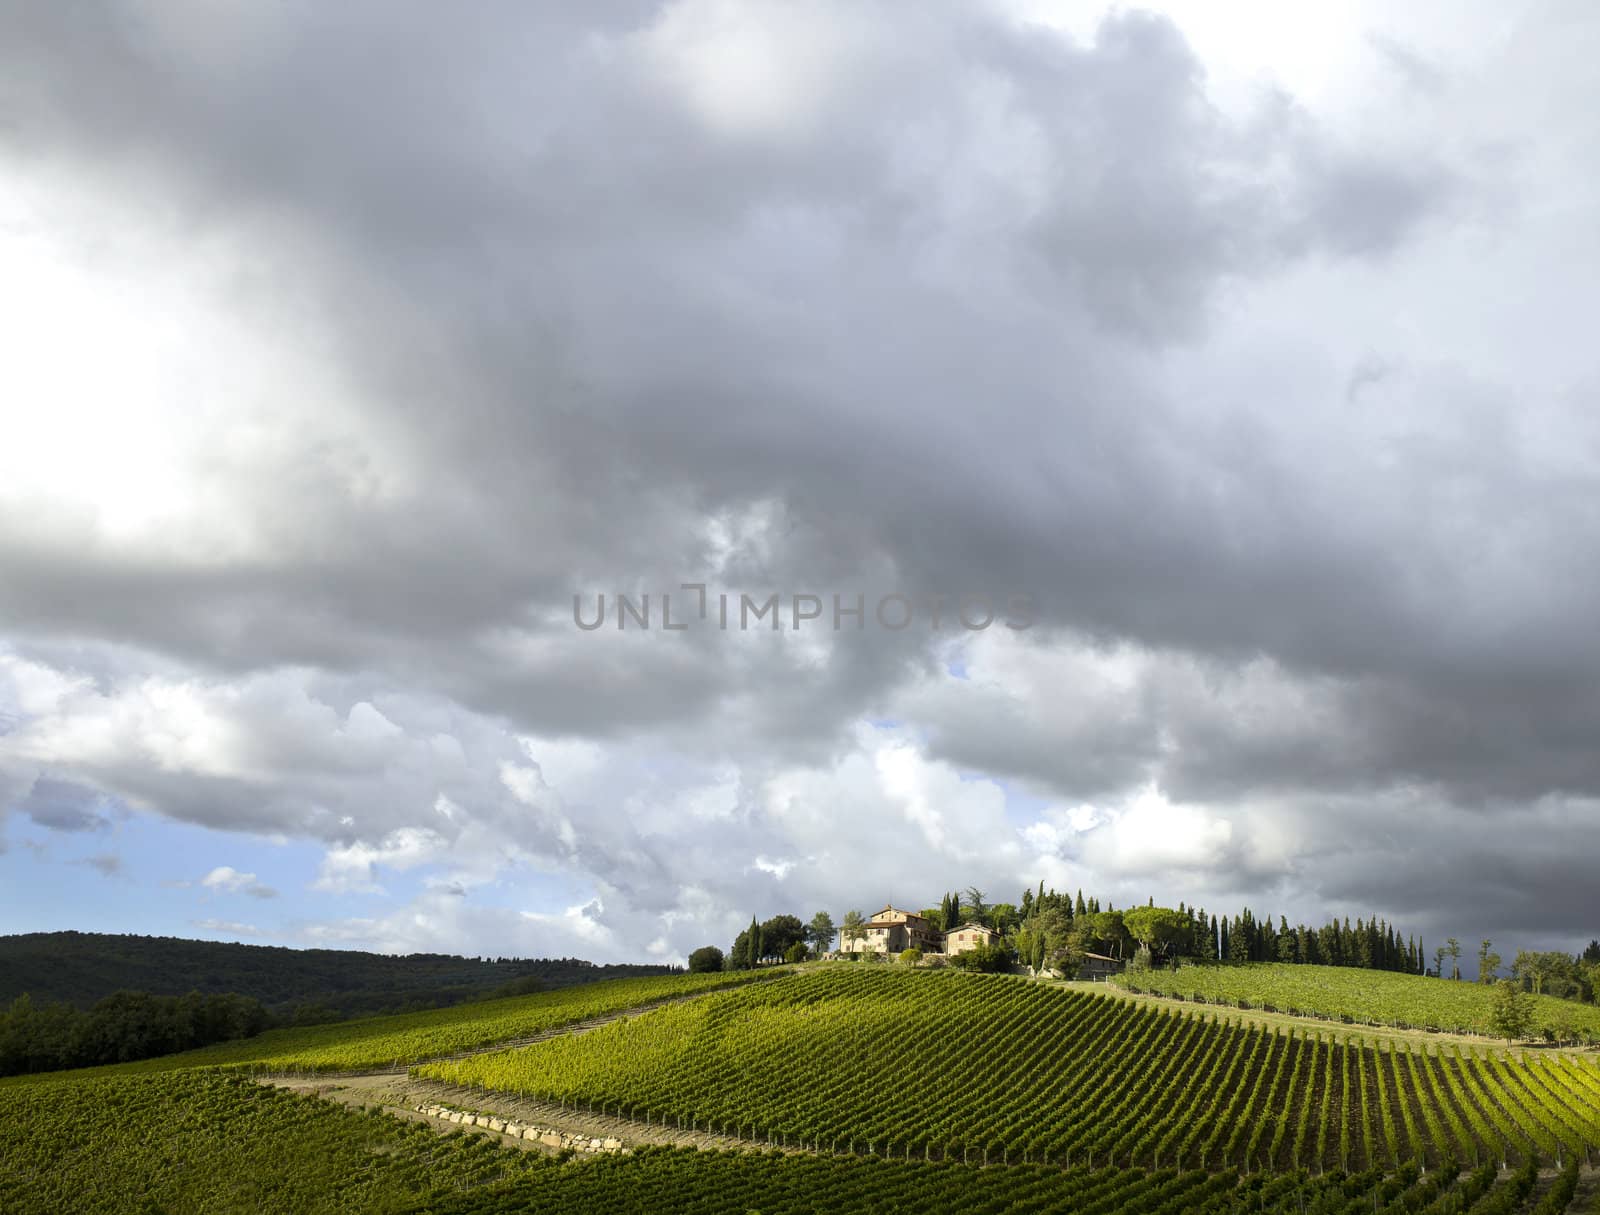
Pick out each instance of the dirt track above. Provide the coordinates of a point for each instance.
(400, 1095)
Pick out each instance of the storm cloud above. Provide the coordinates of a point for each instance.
(354, 342)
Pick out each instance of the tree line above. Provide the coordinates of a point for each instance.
(1057, 930)
(120, 1028)
(82, 967)
(782, 938)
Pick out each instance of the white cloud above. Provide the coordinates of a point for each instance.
(582, 922)
(353, 868)
(1151, 836)
(232, 928)
(756, 69)
(225, 879)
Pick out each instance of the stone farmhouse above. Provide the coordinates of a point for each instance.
(892, 930)
(966, 936)
(1098, 966)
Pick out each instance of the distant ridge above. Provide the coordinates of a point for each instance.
(82, 967)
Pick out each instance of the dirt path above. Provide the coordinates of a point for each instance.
(400, 1095)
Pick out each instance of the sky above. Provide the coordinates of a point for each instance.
(1237, 357)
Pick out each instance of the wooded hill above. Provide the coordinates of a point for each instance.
(81, 968)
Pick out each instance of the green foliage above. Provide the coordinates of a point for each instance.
(780, 933)
(1162, 931)
(820, 932)
(1553, 973)
(911, 956)
(1103, 932)
(125, 1026)
(796, 952)
(1510, 1012)
(1488, 963)
(971, 906)
(707, 959)
(1378, 997)
(985, 958)
(820, 1057)
(853, 930)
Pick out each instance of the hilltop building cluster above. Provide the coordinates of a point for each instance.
(892, 930)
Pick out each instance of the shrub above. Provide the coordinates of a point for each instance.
(705, 960)
(987, 959)
(911, 956)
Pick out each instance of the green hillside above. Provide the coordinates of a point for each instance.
(1373, 996)
(945, 1066)
(877, 1088)
(380, 1042)
(82, 967)
(197, 1141)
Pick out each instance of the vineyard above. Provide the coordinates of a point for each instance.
(1368, 996)
(193, 1141)
(715, 1183)
(937, 1066)
(380, 1042)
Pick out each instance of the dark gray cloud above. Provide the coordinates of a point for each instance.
(615, 298)
(63, 806)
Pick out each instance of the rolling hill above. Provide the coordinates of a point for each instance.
(852, 1087)
(1374, 997)
(82, 967)
(986, 1069)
